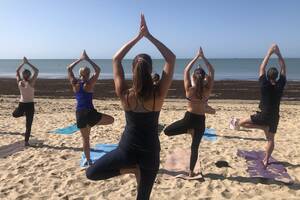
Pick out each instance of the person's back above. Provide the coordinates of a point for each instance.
(26, 91)
(84, 99)
(86, 114)
(267, 118)
(197, 88)
(195, 104)
(271, 94)
(141, 130)
(26, 103)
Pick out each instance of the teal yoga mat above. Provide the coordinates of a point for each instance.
(98, 151)
(66, 130)
(210, 134)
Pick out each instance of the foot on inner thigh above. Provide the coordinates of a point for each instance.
(132, 170)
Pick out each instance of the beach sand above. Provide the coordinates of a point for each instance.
(50, 170)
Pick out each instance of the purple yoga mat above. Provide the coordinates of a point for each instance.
(275, 170)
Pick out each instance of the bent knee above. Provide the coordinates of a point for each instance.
(90, 174)
(167, 132)
(16, 115)
(111, 120)
(108, 119)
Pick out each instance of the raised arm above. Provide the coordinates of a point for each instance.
(281, 61)
(119, 77)
(18, 75)
(35, 71)
(186, 73)
(211, 70)
(168, 55)
(96, 68)
(262, 68)
(70, 68)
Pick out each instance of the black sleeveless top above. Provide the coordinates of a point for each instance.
(141, 130)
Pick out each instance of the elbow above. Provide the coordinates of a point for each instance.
(69, 68)
(172, 58)
(116, 59)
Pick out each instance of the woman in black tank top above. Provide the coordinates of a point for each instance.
(139, 147)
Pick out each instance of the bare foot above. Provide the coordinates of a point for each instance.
(265, 163)
(133, 170)
(191, 174)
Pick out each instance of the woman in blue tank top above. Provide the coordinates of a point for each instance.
(86, 115)
(139, 147)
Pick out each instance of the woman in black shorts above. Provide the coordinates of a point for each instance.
(86, 115)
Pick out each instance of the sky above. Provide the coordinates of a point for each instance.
(61, 29)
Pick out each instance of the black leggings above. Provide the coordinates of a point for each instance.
(110, 165)
(190, 121)
(26, 109)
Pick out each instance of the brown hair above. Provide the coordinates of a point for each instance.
(272, 73)
(26, 72)
(199, 75)
(142, 79)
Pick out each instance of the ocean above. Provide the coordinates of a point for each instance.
(225, 69)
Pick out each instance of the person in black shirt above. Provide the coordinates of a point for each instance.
(271, 92)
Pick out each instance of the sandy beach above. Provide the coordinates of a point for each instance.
(50, 170)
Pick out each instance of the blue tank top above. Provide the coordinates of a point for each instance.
(84, 99)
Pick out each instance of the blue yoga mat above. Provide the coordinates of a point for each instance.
(210, 134)
(66, 130)
(98, 151)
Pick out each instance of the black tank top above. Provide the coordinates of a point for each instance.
(141, 130)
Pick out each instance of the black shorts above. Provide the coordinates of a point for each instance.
(266, 120)
(87, 117)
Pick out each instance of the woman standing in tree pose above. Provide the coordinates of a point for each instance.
(86, 115)
(197, 95)
(271, 90)
(26, 104)
(139, 147)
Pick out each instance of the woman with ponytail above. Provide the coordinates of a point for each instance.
(197, 92)
(139, 148)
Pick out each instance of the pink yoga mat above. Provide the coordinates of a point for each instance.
(177, 165)
(275, 170)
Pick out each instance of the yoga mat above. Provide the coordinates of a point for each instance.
(210, 135)
(177, 165)
(10, 149)
(274, 171)
(66, 130)
(98, 151)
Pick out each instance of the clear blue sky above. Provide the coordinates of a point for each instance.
(225, 28)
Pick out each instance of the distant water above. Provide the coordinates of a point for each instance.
(226, 69)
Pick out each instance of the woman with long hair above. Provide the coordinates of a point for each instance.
(139, 148)
(197, 95)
